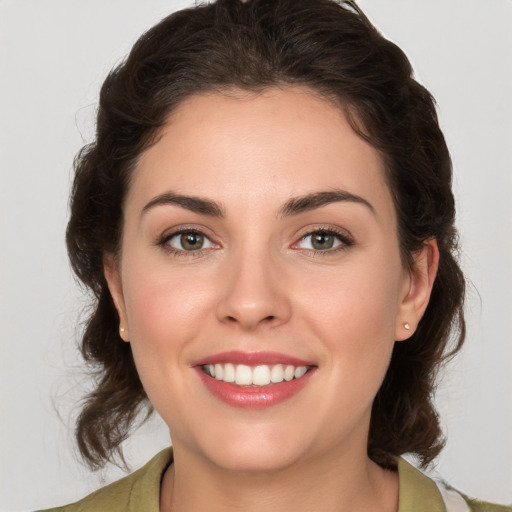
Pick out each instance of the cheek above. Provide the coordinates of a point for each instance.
(166, 312)
(354, 314)
(165, 308)
(358, 299)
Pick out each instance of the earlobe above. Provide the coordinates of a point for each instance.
(113, 278)
(417, 296)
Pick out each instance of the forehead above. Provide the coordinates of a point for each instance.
(276, 144)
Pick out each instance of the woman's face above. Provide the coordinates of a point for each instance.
(260, 232)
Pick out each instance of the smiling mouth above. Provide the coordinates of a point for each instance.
(260, 375)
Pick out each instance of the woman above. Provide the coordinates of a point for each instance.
(267, 223)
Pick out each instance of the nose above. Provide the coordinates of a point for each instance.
(253, 292)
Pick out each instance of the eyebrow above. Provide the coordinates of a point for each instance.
(192, 203)
(318, 199)
(292, 207)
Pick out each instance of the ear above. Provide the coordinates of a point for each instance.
(113, 277)
(417, 290)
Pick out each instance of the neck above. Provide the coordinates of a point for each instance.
(329, 483)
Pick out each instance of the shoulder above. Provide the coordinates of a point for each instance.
(482, 506)
(137, 491)
(420, 493)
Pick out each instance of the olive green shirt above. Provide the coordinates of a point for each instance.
(140, 492)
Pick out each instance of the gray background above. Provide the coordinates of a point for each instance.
(53, 57)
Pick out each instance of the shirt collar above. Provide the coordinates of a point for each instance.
(418, 493)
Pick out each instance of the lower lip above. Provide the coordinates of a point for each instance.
(254, 397)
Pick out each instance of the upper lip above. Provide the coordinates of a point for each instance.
(252, 359)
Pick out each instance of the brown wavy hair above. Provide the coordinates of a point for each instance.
(332, 48)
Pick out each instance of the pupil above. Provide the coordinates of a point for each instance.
(191, 241)
(323, 241)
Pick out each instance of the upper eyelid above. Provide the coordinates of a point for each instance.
(171, 232)
(180, 231)
(342, 233)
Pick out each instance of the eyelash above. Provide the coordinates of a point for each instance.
(345, 242)
(164, 243)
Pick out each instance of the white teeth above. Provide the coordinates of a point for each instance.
(289, 372)
(261, 375)
(219, 371)
(229, 373)
(277, 374)
(299, 371)
(243, 375)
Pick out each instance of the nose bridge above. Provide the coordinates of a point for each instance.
(253, 292)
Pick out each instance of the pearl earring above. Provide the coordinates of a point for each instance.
(407, 326)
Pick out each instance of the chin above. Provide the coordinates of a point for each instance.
(255, 461)
(257, 450)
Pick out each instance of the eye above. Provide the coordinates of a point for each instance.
(188, 241)
(324, 240)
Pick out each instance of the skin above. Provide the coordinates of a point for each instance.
(257, 285)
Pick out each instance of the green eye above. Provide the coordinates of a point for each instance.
(189, 241)
(323, 241)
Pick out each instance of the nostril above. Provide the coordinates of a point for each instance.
(268, 318)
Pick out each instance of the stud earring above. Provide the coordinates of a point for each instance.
(407, 326)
